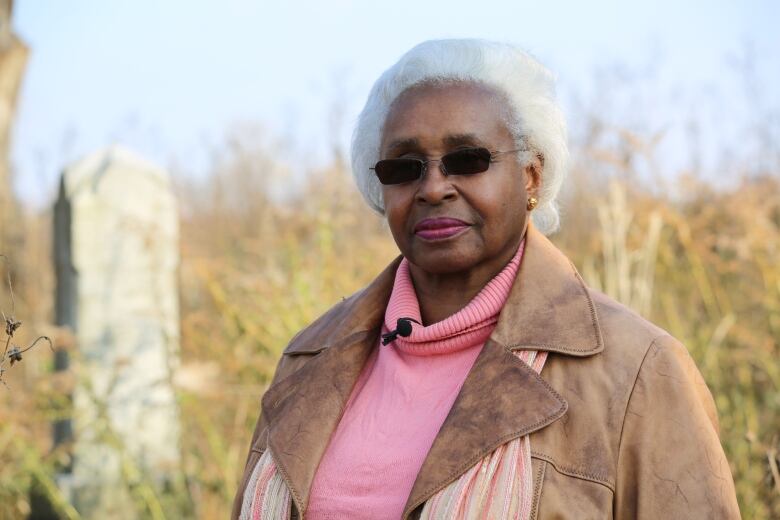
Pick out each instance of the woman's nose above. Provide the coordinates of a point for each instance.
(435, 187)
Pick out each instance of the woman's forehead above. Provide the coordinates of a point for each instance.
(458, 91)
(448, 115)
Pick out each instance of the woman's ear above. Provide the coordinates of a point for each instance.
(533, 174)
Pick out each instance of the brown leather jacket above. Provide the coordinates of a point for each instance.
(622, 424)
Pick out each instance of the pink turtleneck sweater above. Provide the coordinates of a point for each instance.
(400, 401)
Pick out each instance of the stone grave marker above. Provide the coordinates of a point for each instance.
(117, 256)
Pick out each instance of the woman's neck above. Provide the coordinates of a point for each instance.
(441, 295)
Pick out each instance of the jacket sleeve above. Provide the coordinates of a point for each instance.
(670, 461)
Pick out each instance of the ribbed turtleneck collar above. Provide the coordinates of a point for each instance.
(470, 326)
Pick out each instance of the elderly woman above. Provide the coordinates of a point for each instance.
(478, 376)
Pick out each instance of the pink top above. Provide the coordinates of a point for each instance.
(400, 401)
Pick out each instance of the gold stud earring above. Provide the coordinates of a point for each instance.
(532, 202)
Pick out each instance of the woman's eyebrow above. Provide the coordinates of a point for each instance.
(403, 144)
(462, 139)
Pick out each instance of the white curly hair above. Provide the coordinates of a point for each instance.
(537, 125)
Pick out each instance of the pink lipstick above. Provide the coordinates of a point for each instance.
(439, 228)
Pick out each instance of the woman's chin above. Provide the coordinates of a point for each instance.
(444, 261)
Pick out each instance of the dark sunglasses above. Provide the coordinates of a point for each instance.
(467, 161)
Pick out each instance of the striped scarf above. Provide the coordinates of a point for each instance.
(500, 486)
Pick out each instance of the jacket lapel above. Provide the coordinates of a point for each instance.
(502, 398)
(303, 409)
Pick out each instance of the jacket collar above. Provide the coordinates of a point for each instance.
(548, 309)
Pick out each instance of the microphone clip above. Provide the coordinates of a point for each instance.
(403, 328)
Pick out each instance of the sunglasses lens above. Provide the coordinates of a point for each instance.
(467, 162)
(397, 171)
(460, 162)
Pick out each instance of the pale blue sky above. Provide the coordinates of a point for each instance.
(167, 78)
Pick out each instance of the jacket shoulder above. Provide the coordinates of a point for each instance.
(625, 332)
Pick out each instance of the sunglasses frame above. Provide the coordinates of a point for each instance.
(423, 163)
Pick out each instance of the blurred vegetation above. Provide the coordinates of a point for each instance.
(258, 264)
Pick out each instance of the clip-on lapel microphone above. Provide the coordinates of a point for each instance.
(403, 327)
